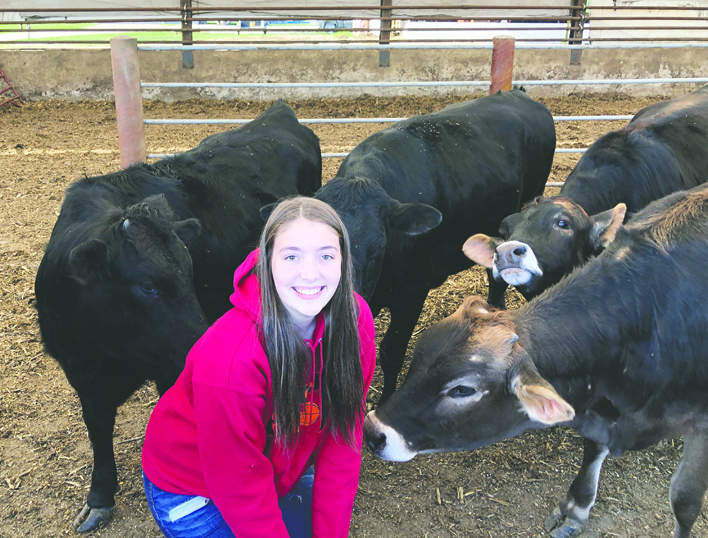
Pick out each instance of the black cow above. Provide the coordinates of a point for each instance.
(410, 195)
(663, 149)
(617, 351)
(116, 287)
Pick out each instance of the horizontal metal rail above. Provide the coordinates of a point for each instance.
(423, 46)
(355, 120)
(295, 8)
(307, 29)
(455, 83)
(309, 84)
(377, 7)
(342, 155)
(312, 29)
(482, 43)
(378, 17)
(275, 28)
(428, 44)
(583, 82)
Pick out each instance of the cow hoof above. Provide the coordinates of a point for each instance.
(553, 520)
(569, 528)
(90, 518)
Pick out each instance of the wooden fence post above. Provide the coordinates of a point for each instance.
(129, 103)
(502, 64)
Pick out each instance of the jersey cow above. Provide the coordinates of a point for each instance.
(616, 351)
(141, 260)
(663, 149)
(410, 195)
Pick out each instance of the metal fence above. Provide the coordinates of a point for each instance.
(378, 22)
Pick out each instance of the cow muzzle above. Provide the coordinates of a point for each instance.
(515, 263)
(385, 442)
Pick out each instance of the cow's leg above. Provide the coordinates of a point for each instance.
(569, 518)
(392, 351)
(100, 399)
(100, 420)
(689, 483)
(496, 291)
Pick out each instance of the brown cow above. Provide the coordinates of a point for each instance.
(616, 351)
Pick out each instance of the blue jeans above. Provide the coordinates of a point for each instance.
(206, 520)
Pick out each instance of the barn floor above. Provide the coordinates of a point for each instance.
(45, 458)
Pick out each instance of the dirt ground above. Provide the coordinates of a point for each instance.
(45, 459)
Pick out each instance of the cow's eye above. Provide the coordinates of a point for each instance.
(462, 391)
(148, 287)
(562, 223)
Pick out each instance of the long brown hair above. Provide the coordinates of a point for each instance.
(289, 356)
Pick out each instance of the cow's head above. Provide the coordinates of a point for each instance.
(470, 384)
(136, 294)
(544, 242)
(372, 217)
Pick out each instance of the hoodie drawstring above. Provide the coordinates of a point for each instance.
(312, 389)
(320, 381)
(311, 396)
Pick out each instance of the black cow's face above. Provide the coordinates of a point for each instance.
(367, 237)
(470, 384)
(543, 243)
(136, 293)
(371, 217)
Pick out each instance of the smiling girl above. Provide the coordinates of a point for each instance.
(275, 387)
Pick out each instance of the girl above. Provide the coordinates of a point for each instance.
(275, 386)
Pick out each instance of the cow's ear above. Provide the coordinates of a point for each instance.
(480, 249)
(415, 219)
(87, 260)
(472, 306)
(538, 398)
(605, 226)
(187, 230)
(266, 210)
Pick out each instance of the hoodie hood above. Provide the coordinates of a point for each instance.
(247, 290)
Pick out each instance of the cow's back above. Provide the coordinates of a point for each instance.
(273, 144)
(502, 142)
(682, 124)
(228, 178)
(476, 162)
(662, 150)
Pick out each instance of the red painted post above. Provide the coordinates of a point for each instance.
(129, 103)
(502, 64)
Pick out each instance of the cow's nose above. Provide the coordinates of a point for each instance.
(376, 442)
(512, 249)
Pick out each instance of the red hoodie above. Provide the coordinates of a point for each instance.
(208, 434)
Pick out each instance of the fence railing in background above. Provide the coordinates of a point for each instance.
(377, 23)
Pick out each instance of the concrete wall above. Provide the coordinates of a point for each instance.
(78, 75)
